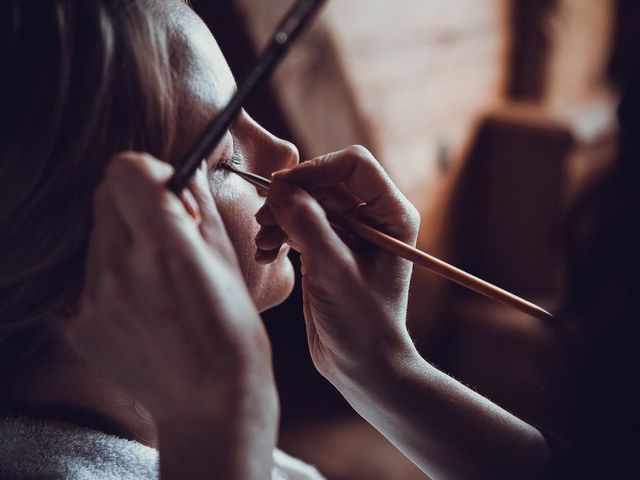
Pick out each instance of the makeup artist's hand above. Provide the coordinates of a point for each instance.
(355, 295)
(166, 315)
(355, 300)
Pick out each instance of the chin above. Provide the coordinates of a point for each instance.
(277, 282)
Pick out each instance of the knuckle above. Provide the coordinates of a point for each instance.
(156, 169)
(360, 152)
(413, 215)
(167, 203)
(123, 163)
(302, 210)
(411, 218)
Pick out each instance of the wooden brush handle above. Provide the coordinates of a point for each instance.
(401, 249)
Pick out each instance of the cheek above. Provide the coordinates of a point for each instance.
(237, 205)
(242, 229)
(269, 284)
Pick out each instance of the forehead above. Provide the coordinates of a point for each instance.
(201, 72)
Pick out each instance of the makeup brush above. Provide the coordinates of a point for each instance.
(289, 29)
(287, 32)
(401, 249)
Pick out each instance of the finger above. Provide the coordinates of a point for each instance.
(332, 198)
(305, 222)
(212, 227)
(265, 216)
(367, 181)
(149, 209)
(336, 198)
(353, 166)
(190, 205)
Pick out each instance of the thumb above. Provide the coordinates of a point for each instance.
(305, 222)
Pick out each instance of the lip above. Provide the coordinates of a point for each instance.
(279, 256)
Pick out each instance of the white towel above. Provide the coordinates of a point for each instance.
(51, 450)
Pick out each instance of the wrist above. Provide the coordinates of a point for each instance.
(388, 359)
(378, 390)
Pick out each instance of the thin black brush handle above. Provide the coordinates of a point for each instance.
(287, 32)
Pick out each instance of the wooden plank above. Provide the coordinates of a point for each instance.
(311, 84)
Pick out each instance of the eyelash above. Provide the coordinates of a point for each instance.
(234, 159)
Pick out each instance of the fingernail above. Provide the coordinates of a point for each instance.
(280, 172)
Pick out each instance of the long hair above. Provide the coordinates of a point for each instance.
(79, 81)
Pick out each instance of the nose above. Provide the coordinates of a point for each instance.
(270, 153)
(288, 152)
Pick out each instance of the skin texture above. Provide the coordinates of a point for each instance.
(169, 315)
(355, 300)
(205, 86)
(90, 380)
(166, 316)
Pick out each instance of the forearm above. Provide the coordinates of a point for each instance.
(447, 429)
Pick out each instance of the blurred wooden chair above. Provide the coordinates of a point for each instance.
(502, 218)
(505, 219)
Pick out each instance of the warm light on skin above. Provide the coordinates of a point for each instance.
(204, 86)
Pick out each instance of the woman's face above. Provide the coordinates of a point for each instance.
(204, 84)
